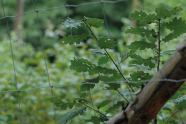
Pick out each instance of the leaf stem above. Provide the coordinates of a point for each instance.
(158, 67)
(159, 41)
(122, 95)
(92, 108)
(171, 116)
(107, 54)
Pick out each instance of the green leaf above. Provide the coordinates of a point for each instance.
(177, 26)
(105, 42)
(81, 65)
(148, 19)
(137, 76)
(94, 120)
(137, 59)
(176, 10)
(166, 108)
(96, 52)
(113, 86)
(94, 22)
(80, 99)
(141, 45)
(83, 95)
(140, 75)
(71, 23)
(153, 40)
(175, 96)
(59, 103)
(102, 70)
(139, 66)
(70, 115)
(124, 55)
(169, 52)
(103, 103)
(87, 87)
(77, 39)
(171, 121)
(163, 12)
(180, 99)
(114, 107)
(181, 102)
(137, 15)
(102, 60)
(138, 30)
(114, 77)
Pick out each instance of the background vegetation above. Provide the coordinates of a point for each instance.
(29, 60)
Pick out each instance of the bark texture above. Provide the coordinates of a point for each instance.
(18, 21)
(146, 105)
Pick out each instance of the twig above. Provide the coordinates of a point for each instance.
(159, 41)
(92, 108)
(171, 116)
(122, 95)
(108, 54)
(158, 67)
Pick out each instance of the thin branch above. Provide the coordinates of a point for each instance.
(93, 109)
(171, 116)
(122, 95)
(159, 41)
(118, 91)
(158, 67)
(107, 54)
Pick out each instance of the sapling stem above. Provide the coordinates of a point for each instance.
(92, 108)
(107, 54)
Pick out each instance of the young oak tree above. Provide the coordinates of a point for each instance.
(154, 93)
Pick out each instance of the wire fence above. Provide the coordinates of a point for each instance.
(76, 54)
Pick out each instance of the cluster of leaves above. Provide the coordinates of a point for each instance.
(77, 102)
(101, 73)
(177, 27)
(98, 72)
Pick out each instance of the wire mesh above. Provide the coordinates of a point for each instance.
(76, 54)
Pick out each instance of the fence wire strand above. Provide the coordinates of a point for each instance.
(142, 3)
(75, 51)
(12, 54)
(48, 77)
(76, 54)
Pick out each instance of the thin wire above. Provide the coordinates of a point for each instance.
(105, 19)
(159, 70)
(92, 83)
(79, 61)
(68, 6)
(45, 60)
(152, 49)
(103, 11)
(12, 54)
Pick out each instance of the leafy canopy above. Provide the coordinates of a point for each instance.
(100, 73)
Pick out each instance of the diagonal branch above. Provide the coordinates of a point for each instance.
(108, 55)
(157, 91)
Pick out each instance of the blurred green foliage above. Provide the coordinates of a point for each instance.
(29, 60)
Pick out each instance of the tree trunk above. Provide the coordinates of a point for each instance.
(155, 94)
(18, 21)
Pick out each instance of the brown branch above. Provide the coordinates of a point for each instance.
(159, 41)
(156, 93)
(158, 67)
